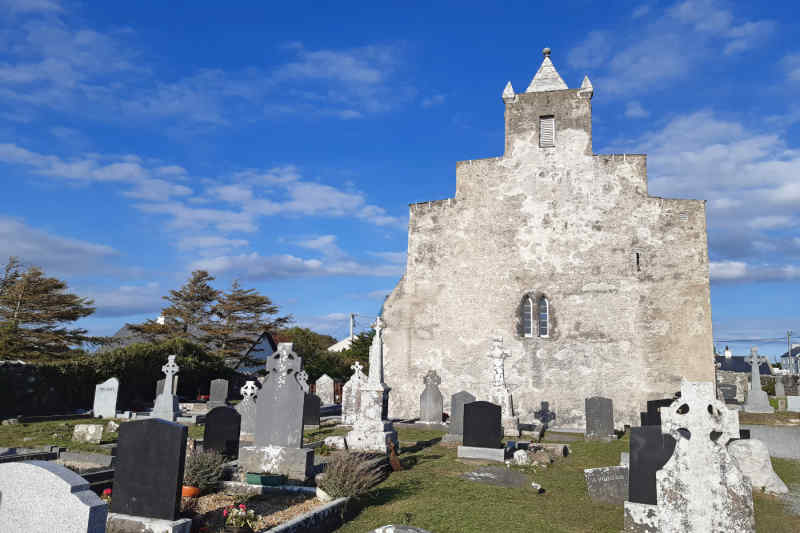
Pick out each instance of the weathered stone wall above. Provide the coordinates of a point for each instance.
(563, 223)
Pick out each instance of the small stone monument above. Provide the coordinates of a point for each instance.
(351, 394)
(779, 389)
(218, 393)
(223, 426)
(455, 432)
(311, 411)
(91, 433)
(166, 406)
(324, 389)
(498, 393)
(607, 484)
(757, 399)
(45, 496)
(370, 431)
(247, 410)
(431, 402)
(279, 420)
(599, 418)
(701, 474)
(105, 398)
(148, 476)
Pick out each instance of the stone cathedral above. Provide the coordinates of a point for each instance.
(596, 287)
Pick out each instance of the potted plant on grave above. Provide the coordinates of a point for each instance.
(239, 519)
(202, 472)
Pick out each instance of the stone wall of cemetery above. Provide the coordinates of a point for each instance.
(566, 224)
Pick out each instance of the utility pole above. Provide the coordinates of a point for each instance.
(352, 323)
(789, 343)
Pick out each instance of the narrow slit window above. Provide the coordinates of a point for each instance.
(527, 317)
(547, 131)
(638, 263)
(544, 318)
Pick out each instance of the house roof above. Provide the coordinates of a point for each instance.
(342, 345)
(737, 363)
(262, 348)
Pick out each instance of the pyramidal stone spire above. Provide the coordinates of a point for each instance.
(587, 89)
(508, 92)
(547, 77)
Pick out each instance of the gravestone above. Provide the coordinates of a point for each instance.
(91, 433)
(498, 392)
(311, 410)
(149, 469)
(166, 406)
(544, 414)
(793, 404)
(223, 425)
(351, 394)
(482, 426)
(781, 404)
(779, 389)
(649, 452)
(218, 393)
(727, 391)
(431, 402)
(653, 417)
(160, 385)
(279, 420)
(43, 496)
(599, 418)
(324, 389)
(105, 399)
(607, 484)
(757, 399)
(455, 433)
(247, 410)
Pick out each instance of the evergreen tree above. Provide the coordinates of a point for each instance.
(33, 311)
(240, 317)
(190, 313)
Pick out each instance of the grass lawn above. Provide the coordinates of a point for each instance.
(56, 433)
(431, 495)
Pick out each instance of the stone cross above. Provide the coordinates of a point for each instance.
(357, 367)
(376, 354)
(498, 356)
(249, 390)
(169, 369)
(755, 372)
(432, 378)
(499, 393)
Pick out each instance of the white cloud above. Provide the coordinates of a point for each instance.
(55, 254)
(433, 100)
(665, 47)
(723, 271)
(210, 242)
(772, 221)
(31, 6)
(635, 110)
(127, 300)
(791, 63)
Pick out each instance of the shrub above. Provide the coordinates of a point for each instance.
(350, 474)
(203, 470)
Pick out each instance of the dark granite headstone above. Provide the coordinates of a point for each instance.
(311, 409)
(222, 431)
(599, 417)
(148, 473)
(482, 428)
(653, 415)
(457, 402)
(650, 450)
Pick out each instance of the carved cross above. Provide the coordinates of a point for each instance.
(356, 367)
(249, 390)
(755, 372)
(498, 355)
(169, 369)
(432, 378)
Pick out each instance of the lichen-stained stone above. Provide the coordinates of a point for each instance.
(752, 457)
(625, 274)
(701, 488)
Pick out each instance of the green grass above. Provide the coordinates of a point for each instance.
(56, 433)
(431, 495)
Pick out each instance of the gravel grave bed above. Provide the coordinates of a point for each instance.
(271, 509)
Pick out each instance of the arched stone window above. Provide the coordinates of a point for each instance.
(544, 317)
(527, 316)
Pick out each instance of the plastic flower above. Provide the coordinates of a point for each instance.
(242, 506)
(107, 492)
(224, 512)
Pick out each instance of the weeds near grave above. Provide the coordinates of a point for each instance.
(203, 470)
(350, 474)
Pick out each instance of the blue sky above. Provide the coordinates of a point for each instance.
(281, 145)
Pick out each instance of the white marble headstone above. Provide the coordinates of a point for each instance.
(105, 398)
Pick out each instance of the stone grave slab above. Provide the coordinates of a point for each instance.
(599, 418)
(311, 410)
(499, 476)
(218, 393)
(91, 433)
(44, 496)
(455, 432)
(608, 484)
(649, 452)
(149, 469)
(223, 425)
(324, 389)
(105, 399)
(482, 425)
(431, 401)
(481, 454)
(793, 404)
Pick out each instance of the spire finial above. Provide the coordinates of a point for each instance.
(546, 52)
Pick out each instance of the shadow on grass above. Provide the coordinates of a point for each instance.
(421, 445)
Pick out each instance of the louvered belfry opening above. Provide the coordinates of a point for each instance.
(547, 131)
